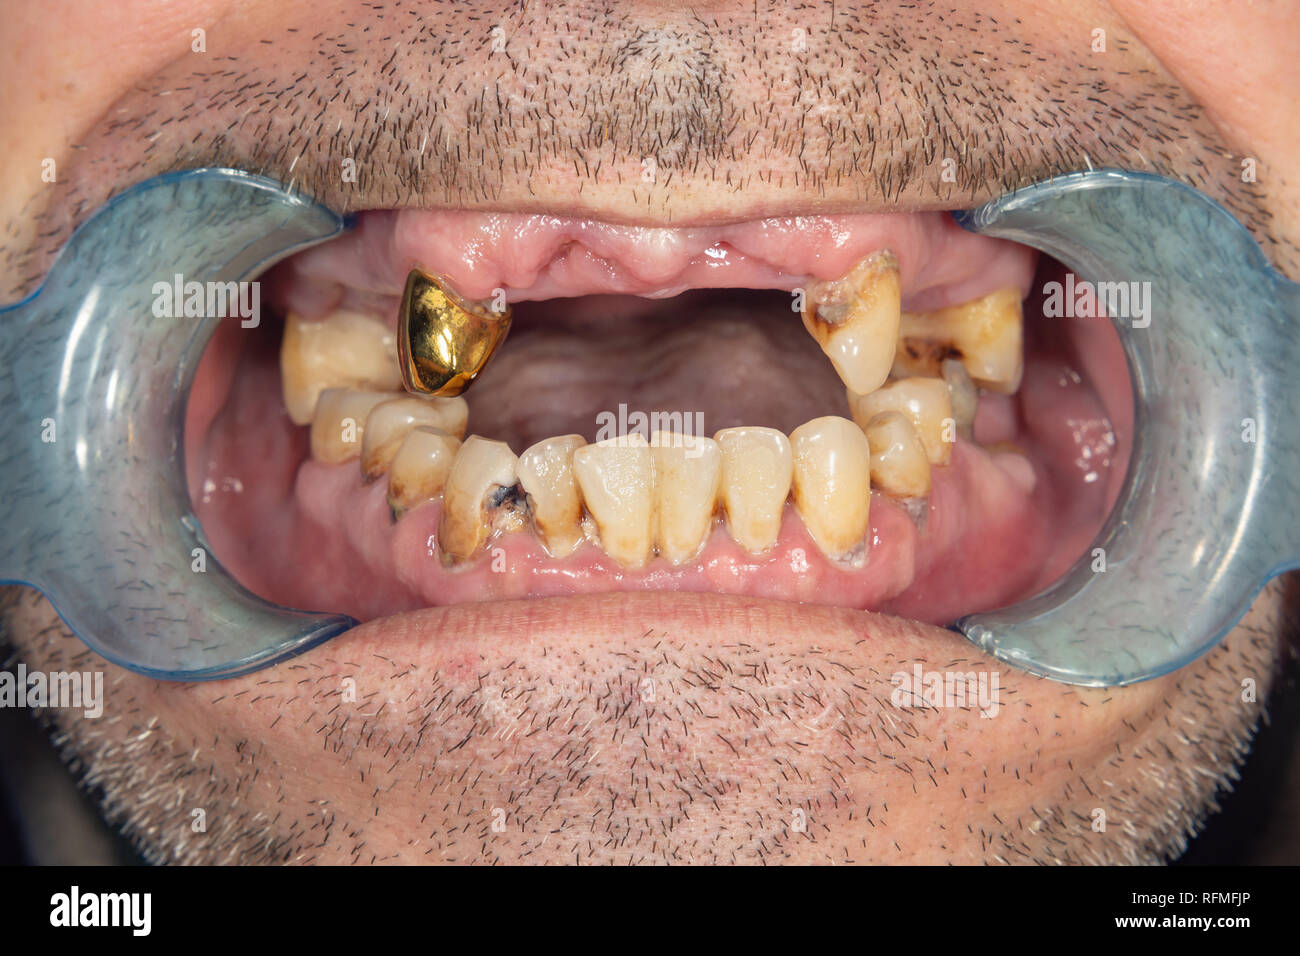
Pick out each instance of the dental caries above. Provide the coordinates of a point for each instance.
(180, 299)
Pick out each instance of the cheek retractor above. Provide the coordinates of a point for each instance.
(95, 511)
(1207, 512)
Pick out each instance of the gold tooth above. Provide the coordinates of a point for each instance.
(443, 341)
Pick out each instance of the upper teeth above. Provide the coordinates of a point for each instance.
(855, 320)
(986, 334)
(636, 498)
(346, 350)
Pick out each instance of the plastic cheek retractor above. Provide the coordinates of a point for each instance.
(1206, 515)
(95, 511)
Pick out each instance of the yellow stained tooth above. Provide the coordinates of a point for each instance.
(343, 350)
(986, 334)
(444, 341)
(483, 469)
(419, 470)
(687, 473)
(899, 466)
(338, 426)
(855, 320)
(617, 481)
(926, 401)
(757, 469)
(546, 476)
(389, 423)
(832, 483)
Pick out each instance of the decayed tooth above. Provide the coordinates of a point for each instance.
(339, 423)
(419, 470)
(478, 487)
(687, 475)
(757, 469)
(923, 400)
(898, 463)
(617, 481)
(855, 320)
(388, 424)
(832, 483)
(963, 395)
(985, 334)
(546, 476)
(345, 350)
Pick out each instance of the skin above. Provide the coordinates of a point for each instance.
(758, 709)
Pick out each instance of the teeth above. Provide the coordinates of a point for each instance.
(832, 483)
(757, 469)
(546, 476)
(855, 320)
(985, 334)
(687, 474)
(339, 423)
(923, 400)
(477, 500)
(963, 395)
(388, 425)
(898, 463)
(617, 481)
(346, 350)
(419, 469)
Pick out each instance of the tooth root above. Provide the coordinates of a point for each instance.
(687, 475)
(345, 350)
(617, 481)
(899, 466)
(855, 320)
(832, 483)
(923, 400)
(338, 425)
(420, 467)
(546, 476)
(986, 334)
(388, 424)
(478, 485)
(757, 469)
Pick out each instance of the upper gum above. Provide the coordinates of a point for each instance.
(542, 256)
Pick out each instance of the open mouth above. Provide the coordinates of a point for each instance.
(661, 419)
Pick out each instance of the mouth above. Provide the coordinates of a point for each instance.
(865, 411)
